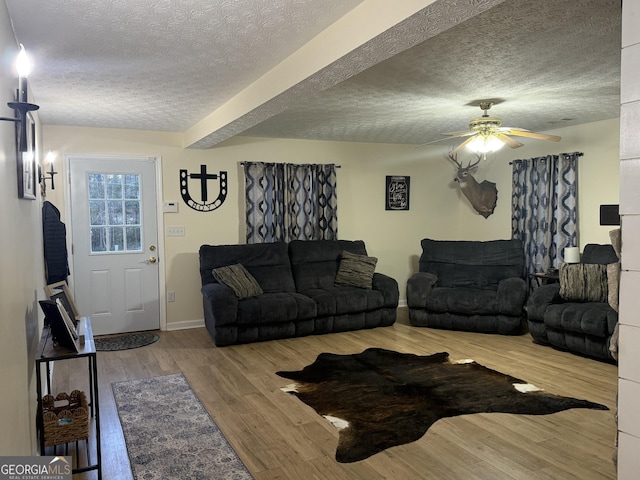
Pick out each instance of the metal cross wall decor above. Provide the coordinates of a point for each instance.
(203, 205)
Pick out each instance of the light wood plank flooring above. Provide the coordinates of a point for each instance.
(279, 437)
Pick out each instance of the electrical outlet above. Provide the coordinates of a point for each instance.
(175, 231)
(171, 296)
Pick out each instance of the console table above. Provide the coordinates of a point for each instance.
(48, 353)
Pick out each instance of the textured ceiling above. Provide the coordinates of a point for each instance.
(167, 64)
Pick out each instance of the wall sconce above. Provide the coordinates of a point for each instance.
(47, 175)
(21, 106)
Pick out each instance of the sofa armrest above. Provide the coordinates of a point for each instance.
(220, 304)
(541, 298)
(512, 295)
(389, 288)
(419, 286)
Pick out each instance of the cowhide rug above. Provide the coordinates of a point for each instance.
(380, 398)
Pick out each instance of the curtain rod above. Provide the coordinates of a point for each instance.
(337, 166)
(577, 154)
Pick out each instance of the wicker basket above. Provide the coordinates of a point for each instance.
(66, 423)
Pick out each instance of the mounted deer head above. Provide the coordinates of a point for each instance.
(482, 196)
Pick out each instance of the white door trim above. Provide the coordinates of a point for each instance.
(157, 160)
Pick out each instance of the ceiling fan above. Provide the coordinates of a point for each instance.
(486, 134)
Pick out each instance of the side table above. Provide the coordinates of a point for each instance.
(546, 277)
(48, 353)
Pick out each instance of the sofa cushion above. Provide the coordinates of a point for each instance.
(275, 308)
(355, 270)
(314, 263)
(580, 282)
(238, 279)
(344, 300)
(465, 301)
(592, 318)
(596, 253)
(267, 262)
(472, 264)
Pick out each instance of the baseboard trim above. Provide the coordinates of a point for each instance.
(184, 325)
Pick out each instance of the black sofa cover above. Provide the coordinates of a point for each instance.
(299, 294)
(579, 327)
(469, 285)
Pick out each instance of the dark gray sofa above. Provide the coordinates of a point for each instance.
(469, 285)
(299, 297)
(585, 328)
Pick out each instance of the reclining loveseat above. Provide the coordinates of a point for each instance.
(292, 289)
(469, 285)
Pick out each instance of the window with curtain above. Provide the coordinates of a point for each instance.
(544, 208)
(287, 202)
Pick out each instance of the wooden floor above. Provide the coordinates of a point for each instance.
(279, 437)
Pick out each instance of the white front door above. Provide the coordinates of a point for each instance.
(115, 242)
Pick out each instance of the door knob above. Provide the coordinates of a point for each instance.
(152, 259)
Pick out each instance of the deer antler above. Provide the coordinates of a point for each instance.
(470, 166)
(454, 159)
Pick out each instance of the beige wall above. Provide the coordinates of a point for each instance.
(598, 181)
(21, 276)
(437, 208)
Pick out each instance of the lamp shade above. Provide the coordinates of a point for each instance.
(572, 255)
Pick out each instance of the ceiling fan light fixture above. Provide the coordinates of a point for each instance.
(485, 144)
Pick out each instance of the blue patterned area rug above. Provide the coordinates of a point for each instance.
(170, 435)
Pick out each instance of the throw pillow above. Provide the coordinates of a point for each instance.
(613, 281)
(356, 270)
(582, 282)
(238, 278)
(613, 269)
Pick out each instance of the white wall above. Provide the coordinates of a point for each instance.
(21, 275)
(629, 360)
(437, 209)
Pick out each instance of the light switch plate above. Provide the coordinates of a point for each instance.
(175, 231)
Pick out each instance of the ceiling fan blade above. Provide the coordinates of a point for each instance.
(512, 142)
(461, 146)
(460, 133)
(521, 132)
(446, 138)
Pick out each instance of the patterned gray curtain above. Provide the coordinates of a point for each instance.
(286, 202)
(544, 208)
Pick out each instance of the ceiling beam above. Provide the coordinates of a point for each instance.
(369, 34)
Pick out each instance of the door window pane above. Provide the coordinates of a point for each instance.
(116, 239)
(97, 214)
(114, 201)
(96, 185)
(115, 212)
(98, 239)
(114, 186)
(132, 212)
(133, 239)
(132, 186)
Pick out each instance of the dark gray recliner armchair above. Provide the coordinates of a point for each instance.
(469, 285)
(582, 327)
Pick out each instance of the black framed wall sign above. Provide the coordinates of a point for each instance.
(397, 188)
